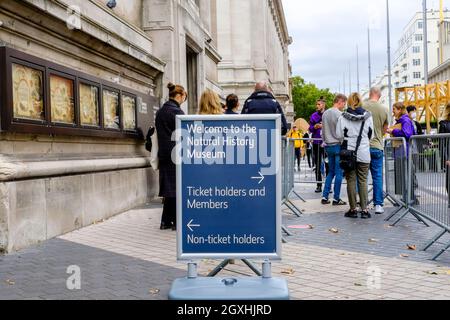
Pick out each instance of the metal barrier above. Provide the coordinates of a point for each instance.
(397, 178)
(288, 161)
(429, 163)
(314, 156)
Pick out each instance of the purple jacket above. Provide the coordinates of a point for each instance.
(316, 118)
(406, 132)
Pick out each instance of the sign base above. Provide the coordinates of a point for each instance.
(213, 289)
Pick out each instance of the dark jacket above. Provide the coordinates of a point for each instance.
(444, 126)
(263, 102)
(418, 128)
(165, 126)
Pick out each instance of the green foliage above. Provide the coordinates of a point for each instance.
(305, 96)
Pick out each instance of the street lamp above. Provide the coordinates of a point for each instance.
(389, 59)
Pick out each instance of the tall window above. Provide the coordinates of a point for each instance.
(419, 37)
(416, 49)
(417, 75)
(416, 62)
(420, 25)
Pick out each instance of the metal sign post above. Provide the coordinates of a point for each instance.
(228, 202)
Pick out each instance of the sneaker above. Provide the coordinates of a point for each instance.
(339, 203)
(319, 190)
(379, 210)
(325, 201)
(365, 215)
(351, 214)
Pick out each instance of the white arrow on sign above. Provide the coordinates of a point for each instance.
(261, 178)
(190, 225)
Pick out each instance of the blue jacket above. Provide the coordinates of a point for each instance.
(263, 102)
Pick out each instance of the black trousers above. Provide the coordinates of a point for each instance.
(309, 156)
(298, 154)
(318, 152)
(169, 215)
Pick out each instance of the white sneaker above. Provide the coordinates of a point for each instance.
(379, 210)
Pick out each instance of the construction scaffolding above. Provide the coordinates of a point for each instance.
(430, 101)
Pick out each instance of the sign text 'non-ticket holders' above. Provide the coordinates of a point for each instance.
(228, 187)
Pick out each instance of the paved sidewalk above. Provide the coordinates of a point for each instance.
(128, 257)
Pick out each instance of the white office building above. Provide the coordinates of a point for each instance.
(408, 63)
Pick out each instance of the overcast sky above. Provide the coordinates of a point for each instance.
(326, 33)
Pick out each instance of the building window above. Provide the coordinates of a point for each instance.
(28, 93)
(405, 79)
(417, 75)
(62, 100)
(416, 62)
(111, 114)
(419, 37)
(38, 96)
(420, 25)
(416, 49)
(89, 105)
(129, 112)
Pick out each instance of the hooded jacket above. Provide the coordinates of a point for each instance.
(348, 128)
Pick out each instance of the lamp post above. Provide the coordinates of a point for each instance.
(389, 58)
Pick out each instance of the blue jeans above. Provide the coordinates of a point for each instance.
(376, 169)
(335, 172)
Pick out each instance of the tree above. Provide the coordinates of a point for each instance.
(305, 95)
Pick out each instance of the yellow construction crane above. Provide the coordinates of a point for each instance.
(430, 101)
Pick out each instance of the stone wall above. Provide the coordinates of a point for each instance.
(50, 185)
(253, 41)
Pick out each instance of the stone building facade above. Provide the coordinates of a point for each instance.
(253, 40)
(79, 84)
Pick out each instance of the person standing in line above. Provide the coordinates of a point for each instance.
(403, 128)
(412, 112)
(262, 101)
(333, 148)
(355, 130)
(308, 146)
(298, 144)
(380, 124)
(232, 103)
(315, 127)
(210, 103)
(444, 150)
(165, 126)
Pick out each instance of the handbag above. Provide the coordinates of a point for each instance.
(349, 158)
(148, 139)
(154, 160)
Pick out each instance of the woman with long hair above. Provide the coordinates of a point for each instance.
(403, 128)
(165, 126)
(210, 103)
(355, 129)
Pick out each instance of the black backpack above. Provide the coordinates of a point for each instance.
(148, 139)
(444, 127)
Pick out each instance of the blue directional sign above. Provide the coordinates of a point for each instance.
(228, 187)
